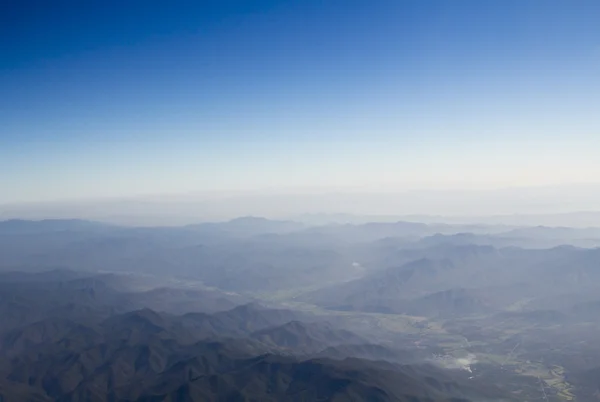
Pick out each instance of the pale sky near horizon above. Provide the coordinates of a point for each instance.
(100, 100)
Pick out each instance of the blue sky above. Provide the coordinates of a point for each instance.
(111, 99)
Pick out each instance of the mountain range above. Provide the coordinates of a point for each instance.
(259, 310)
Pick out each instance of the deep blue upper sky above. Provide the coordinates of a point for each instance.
(119, 98)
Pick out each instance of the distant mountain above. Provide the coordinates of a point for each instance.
(575, 267)
(28, 302)
(250, 226)
(47, 276)
(210, 254)
(19, 226)
(385, 291)
(29, 297)
(556, 232)
(306, 337)
(449, 303)
(372, 231)
(469, 239)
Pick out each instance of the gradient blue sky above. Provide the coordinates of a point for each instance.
(111, 99)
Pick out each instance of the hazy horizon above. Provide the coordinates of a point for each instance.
(569, 205)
